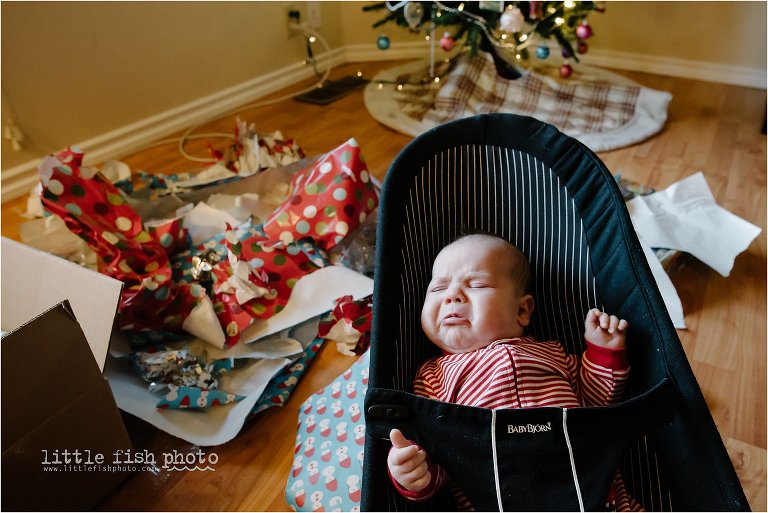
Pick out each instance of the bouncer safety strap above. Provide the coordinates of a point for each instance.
(573, 463)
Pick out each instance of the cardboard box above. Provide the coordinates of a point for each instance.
(61, 427)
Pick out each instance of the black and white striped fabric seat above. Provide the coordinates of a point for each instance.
(549, 195)
(512, 194)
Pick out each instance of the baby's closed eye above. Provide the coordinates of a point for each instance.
(437, 287)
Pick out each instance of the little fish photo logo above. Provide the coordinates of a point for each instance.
(126, 460)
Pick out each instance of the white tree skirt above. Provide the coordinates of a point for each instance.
(601, 109)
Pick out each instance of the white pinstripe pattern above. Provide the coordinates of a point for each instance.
(515, 195)
(545, 218)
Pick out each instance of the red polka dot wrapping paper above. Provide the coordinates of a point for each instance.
(355, 319)
(327, 200)
(97, 212)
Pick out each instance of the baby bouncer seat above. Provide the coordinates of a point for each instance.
(554, 199)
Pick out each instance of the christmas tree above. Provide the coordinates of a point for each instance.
(507, 30)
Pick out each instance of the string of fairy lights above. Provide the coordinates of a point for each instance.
(512, 39)
(513, 33)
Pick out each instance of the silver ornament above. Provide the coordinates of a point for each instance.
(413, 13)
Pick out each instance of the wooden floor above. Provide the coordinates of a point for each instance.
(711, 128)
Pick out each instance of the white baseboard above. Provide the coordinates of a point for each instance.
(679, 68)
(370, 53)
(19, 180)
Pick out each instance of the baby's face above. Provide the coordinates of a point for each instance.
(472, 299)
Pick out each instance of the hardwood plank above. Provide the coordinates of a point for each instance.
(749, 462)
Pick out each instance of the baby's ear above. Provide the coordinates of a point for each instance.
(524, 309)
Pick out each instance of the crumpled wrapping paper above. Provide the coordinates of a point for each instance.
(326, 201)
(255, 367)
(349, 325)
(196, 398)
(283, 384)
(243, 256)
(186, 380)
(96, 211)
(253, 152)
(252, 280)
(249, 154)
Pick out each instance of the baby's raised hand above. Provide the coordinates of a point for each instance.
(605, 330)
(408, 463)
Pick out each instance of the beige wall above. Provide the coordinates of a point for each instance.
(74, 70)
(730, 33)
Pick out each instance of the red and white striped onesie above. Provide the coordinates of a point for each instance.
(524, 373)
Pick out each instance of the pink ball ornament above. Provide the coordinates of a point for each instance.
(584, 31)
(447, 42)
(566, 70)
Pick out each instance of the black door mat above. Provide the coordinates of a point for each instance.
(332, 90)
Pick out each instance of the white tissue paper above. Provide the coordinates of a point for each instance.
(685, 216)
(51, 235)
(666, 287)
(212, 174)
(240, 207)
(203, 323)
(239, 283)
(203, 222)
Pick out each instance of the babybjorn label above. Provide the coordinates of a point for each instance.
(529, 428)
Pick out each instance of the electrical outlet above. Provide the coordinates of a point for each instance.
(293, 17)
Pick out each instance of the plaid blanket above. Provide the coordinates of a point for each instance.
(602, 110)
(475, 88)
